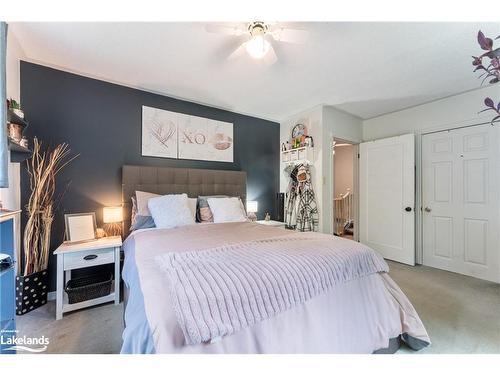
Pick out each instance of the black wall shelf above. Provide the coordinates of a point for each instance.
(15, 119)
(18, 153)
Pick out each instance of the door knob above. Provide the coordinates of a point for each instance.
(408, 209)
(427, 209)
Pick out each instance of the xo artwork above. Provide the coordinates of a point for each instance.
(175, 135)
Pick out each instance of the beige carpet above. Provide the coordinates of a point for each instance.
(461, 314)
(97, 329)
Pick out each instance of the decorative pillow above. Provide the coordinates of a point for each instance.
(142, 199)
(142, 222)
(133, 213)
(170, 211)
(226, 210)
(192, 206)
(204, 214)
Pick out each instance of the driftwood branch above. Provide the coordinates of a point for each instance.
(43, 168)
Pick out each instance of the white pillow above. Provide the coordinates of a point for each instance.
(226, 210)
(192, 206)
(170, 211)
(142, 199)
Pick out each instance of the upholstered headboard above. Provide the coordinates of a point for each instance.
(169, 180)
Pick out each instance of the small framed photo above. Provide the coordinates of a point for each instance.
(80, 227)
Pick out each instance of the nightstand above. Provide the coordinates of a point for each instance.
(72, 256)
(271, 223)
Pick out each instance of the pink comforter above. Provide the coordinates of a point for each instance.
(359, 316)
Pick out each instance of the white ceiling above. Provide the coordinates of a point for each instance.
(366, 69)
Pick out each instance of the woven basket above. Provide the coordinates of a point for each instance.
(88, 287)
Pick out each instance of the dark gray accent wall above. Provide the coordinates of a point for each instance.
(102, 122)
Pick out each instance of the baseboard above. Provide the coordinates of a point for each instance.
(51, 296)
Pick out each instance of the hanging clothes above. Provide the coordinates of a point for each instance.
(291, 198)
(307, 214)
(301, 211)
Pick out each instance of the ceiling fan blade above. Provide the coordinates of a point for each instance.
(224, 29)
(287, 35)
(270, 58)
(238, 52)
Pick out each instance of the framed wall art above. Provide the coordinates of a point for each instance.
(176, 135)
(204, 139)
(159, 133)
(80, 227)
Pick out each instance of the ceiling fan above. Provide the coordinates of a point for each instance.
(260, 37)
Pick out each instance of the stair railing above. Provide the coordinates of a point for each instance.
(342, 211)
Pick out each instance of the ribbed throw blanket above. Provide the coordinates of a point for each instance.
(217, 292)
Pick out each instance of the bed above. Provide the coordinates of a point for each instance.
(356, 309)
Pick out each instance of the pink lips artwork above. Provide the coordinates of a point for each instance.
(222, 141)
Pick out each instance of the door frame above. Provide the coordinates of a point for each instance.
(419, 217)
(355, 183)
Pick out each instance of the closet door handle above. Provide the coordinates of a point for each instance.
(427, 209)
(408, 209)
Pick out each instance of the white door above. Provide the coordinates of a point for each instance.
(460, 201)
(387, 197)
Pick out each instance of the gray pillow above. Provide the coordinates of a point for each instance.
(143, 222)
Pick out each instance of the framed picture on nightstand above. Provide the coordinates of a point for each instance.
(80, 227)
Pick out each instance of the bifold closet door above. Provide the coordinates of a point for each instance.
(387, 197)
(460, 201)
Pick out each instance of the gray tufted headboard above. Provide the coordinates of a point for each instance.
(169, 180)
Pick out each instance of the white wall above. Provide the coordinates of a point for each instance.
(312, 119)
(14, 54)
(336, 124)
(342, 125)
(448, 113)
(11, 196)
(343, 169)
(452, 112)
(323, 123)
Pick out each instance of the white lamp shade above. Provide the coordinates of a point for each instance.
(112, 214)
(252, 206)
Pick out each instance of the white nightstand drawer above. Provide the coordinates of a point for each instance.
(88, 258)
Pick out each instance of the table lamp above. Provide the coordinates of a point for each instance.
(112, 216)
(251, 210)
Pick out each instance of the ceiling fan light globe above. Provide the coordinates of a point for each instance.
(257, 47)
